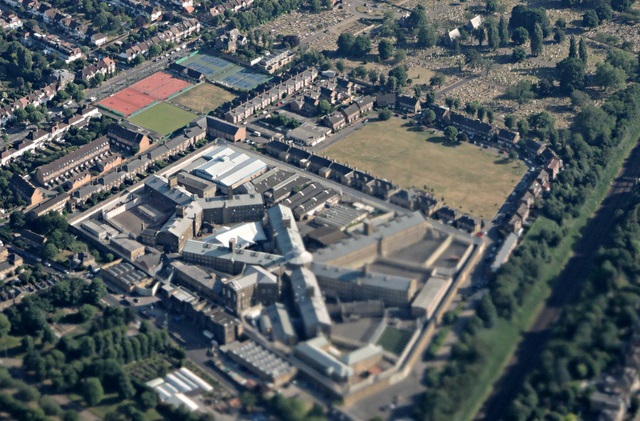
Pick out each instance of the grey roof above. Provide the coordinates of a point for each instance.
(313, 350)
(242, 256)
(367, 351)
(222, 125)
(308, 298)
(176, 195)
(349, 245)
(431, 294)
(283, 329)
(235, 200)
(205, 278)
(374, 279)
(339, 216)
(288, 239)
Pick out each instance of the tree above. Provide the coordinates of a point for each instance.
(536, 41)
(570, 73)
(559, 35)
(450, 133)
(95, 292)
(323, 107)
(385, 49)
(518, 54)
(373, 75)
(361, 46)
(92, 391)
(523, 127)
(493, 37)
(520, 35)
(580, 99)
(437, 80)
(5, 325)
(513, 155)
(480, 35)
(522, 91)
(590, 19)
(510, 121)
(573, 47)
(503, 32)
(346, 44)
(582, 51)
(138, 60)
(49, 251)
(427, 36)
(400, 57)
(492, 6)
(124, 386)
(429, 117)
(249, 401)
(384, 115)
(154, 50)
(86, 312)
(148, 399)
(609, 77)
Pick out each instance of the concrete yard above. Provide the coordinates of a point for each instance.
(471, 179)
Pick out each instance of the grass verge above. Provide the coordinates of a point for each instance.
(503, 339)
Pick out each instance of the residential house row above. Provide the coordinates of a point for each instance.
(257, 103)
(115, 174)
(141, 8)
(105, 66)
(9, 21)
(36, 98)
(174, 33)
(39, 138)
(329, 169)
(232, 5)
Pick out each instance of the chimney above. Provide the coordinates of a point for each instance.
(232, 245)
(286, 222)
(368, 228)
(180, 211)
(173, 182)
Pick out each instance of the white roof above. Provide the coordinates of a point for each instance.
(228, 167)
(245, 235)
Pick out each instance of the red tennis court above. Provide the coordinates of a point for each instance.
(158, 86)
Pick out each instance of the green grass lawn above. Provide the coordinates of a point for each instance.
(394, 340)
(203, 98)
(163, 118)
(474, 180)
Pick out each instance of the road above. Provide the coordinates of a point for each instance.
(566, 288)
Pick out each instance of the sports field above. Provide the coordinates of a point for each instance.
(203, 98)
(163, 118)
(216, 68)
(157, 87)
(474, 180)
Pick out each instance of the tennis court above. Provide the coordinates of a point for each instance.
(216, 68)
(156, 87)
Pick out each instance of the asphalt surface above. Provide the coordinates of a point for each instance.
(566, 289)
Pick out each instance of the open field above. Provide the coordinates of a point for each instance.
(394, 340)
(203, 98)
(471, 179)
(163, 118)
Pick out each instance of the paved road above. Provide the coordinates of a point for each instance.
(567, 286)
